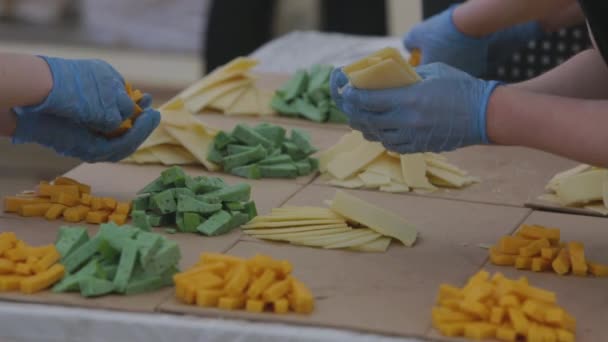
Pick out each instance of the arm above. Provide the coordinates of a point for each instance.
(583, 76)
(574, 128)
(24, 80)
(569, 16)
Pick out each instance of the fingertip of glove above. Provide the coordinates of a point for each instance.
(125, 105)
(146, 101)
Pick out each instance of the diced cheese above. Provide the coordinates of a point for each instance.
(375, 218)
(577, 258)
(413, 168)
(349, 163)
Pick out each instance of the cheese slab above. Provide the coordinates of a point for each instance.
(348, 163)
(379, 245)
(413, 167)
(386, 165)
(376, 218)
(385, 68)
(582, 188)
(345, 144)
(554, 182)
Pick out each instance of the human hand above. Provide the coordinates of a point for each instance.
(439, 40)
(445, 111)
(88, 98)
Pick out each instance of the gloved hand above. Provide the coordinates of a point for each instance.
(88, 98)
(445, 111)
(439, 40)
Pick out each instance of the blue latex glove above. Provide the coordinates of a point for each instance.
(439, 40)
(88, 97)
(445, 111)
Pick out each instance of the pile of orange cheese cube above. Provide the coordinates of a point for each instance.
(25, 268)
(231, 283)
(69, 199)
(136, 95)
(539, 249)
(494, 307)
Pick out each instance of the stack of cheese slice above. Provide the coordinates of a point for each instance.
(583, 186)
(333, 228)
(356, 163)
(180, 139)
(231, 90)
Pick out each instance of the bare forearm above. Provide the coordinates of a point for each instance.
(24, 80)
(482, 17)
(573, 128)
(583, 76)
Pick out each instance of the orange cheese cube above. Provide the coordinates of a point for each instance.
(534, 248)
(217, 257)
(535, 333)
(564, 335)
(281, 306)
(206, 281)
(67, 199)
(501, 259)
(519, 321)
(13, 203)
(451, 329)
(238, 282)
(598, 270)
(96, 203)
(261, 284)
(42, 280)
(7, 266)
(123, 208)
(277, 290)
(534, 310)
(506, 334)
(540, 264)
(476, 309)
(47, 261)
(512, 244)
(231, 303)
(263, 262)
(83, 188)
(16, 254)
(538, 232)
(208, 298)
(9, 237)
(34, 210)
(561, 264)
(75, 214)
(577, 258)
(523, 263)
(55, 211)
(478, 292)
(39, 251)
(447, 291)
(549, 253)
(23, 269)
(303, 301)
(446, 315)
(254, 305)
(32, 260)
(5, 245)
(47, 190)
(453, 304)
(10, 282)
(532, 292)
(509, 301)
(497, 315)
(85, 199)
(97, 217)
(109, 203)
(119, 219)
(559, 317)
(479, 330)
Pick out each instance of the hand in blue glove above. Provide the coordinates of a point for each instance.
(88, 98)
(445, 111)
(439, 40)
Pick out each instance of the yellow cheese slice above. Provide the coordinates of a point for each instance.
(302, 235)
(303, 211)
(351, 183)
(385, 68)
(443, 165)
(145, 157)
(327, 240)
(374, 180)
(237, 67)
(224, 102)
(451, 179)
(346, 143)
(387, 165)
(377, 246)
(264, 100)
(175, 103)
(172, 155)
(378, 219)
(349, 163)
(261, 231)
(289, 224)
(355, 242)
(199, 101)
(598, 208)
(413, 168)
(158, 137)
(582, 188)
(128, 160)
(246, 104)
(554, 182)
(196, 141)
(297, 217)
(395, 188)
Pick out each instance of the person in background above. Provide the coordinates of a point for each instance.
(67, 105)
(564, 111)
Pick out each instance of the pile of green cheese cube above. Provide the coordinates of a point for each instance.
(124, 260)
(205, 205)
(307, 95)
(264, 151)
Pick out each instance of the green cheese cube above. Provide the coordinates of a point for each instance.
(234, 206)
(309, 111)
(233, 193)
(141, 203)
(155, 186)
(95, 287)
(295, 86)
(149, 244)
(161, 220)
(234, 149)
(70, 238)
(314, 164)
(222, 139)
(280, 159)
(213, 226)
(251, 210)
(179, 222)
(167, 275)
(147, 284)
(110, 271)
(303, 167)
(336, 116)
(70, 281)
(163, 202)
(168, 256)
(177, 192)
(174, 176)
(238, 219)
(191, 222)
(302, 140)
(141, 220)
(207, 184)
(248, 171)
(283, 107)
(274, 133)
(128, 258)
(244, 158)
(319, 76)
(81, 254)
(249, 136)
(189, 204)
(214, 155)
(293, 151)
(107, 252)
(279, 171)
